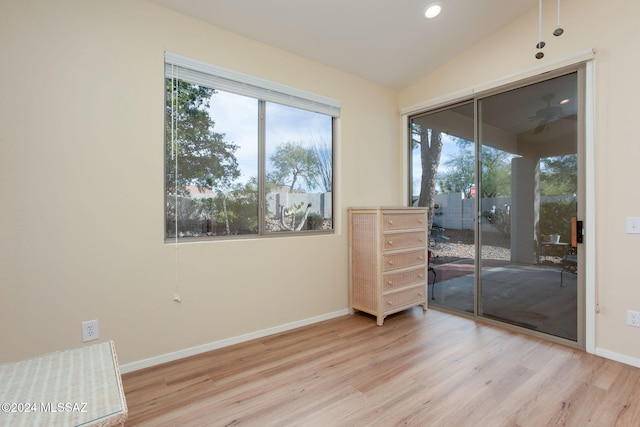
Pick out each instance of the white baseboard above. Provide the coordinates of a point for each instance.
(170, 357)
(627, 360)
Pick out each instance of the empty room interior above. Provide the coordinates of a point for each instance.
(324, 213)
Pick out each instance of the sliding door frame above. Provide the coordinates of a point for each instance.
(583, 64)
(580, 71)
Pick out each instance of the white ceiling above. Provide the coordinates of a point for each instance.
(385, 41)
(391, 43)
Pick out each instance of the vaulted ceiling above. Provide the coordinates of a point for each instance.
(390, 42)
(386, 41)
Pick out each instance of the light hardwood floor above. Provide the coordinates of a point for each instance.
(422, 369)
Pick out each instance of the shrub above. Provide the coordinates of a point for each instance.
(555, 218)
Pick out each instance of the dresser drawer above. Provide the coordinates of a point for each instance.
(411, 296)
(403, 260)
(387, 259)
(403, 221)
(414, 239)
(393, 281)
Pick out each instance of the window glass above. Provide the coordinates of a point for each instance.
(222, 156)
(299, 169)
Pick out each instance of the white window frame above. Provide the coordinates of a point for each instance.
(219, 78)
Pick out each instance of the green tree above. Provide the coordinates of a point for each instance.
(195, 153)
(559, 175)
(496, 172)
(242, 202)
(324, 161)
(294, 164)
(460, 169)
(555, 218)
(459, 175)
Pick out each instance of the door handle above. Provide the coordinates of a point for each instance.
(577, 232)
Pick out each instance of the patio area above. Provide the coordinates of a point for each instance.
(526, 295)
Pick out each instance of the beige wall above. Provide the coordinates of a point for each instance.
(81, 186)
(81, 176)
(611, 29)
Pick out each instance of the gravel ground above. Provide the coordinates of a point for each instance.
(460, 246)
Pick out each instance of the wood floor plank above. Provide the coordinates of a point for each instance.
(422, 369)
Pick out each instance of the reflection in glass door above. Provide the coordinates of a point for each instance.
(443, 170)
(528, 178)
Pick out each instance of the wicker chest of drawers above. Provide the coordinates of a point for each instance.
(387, 260)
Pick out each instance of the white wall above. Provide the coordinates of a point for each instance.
(612, 30)
(81, 186)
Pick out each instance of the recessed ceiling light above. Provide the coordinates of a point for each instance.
(432, 10)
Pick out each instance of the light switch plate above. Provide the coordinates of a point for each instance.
(633, 225)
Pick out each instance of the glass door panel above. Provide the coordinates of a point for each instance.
(528, 181)
(442, 179)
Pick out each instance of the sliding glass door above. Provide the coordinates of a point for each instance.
(443, 164)
(502, 176)
(528, 144)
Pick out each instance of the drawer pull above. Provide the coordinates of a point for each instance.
(421, 240)
(390, 222)
(390, 282)
(390, 262)
(390, 302)
(421, 276)
(390, 242)
(421, 257)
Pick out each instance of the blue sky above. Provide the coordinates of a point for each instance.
(449, 149)
(237, 117)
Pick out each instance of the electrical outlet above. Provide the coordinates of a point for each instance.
(633, 318)
(91, 332)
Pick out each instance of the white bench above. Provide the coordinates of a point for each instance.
(67, 388)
